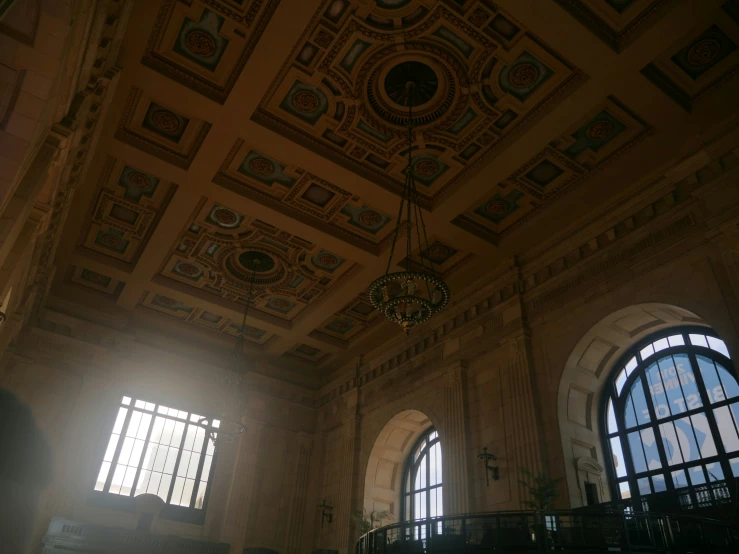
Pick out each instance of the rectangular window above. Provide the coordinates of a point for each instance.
(157, 450)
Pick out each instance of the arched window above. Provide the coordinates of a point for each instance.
(672, 418)
(422, 496)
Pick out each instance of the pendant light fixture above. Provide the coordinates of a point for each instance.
(410, 297)
(224, 431)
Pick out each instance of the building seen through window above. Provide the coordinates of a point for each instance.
(157, 450)
(672, 417)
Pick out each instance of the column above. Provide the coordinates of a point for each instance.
(522, 412)
(297, 513)
(343, 510)
(454, 443)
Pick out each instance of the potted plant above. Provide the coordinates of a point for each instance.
(543, 491)
(366, 521)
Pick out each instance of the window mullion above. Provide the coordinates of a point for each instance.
(198, 474)
(118, 448)
(143, 452)
(177, 463)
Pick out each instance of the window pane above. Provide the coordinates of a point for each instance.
(630, 365)
(187, 492)
(657, 390)
(646, 351)
(661, 344)
(679, 479)
(102, 476)
(200, 498)
(688, 382)
(676, 340)
(643, 485)
(670, 443)
(685, 435)
(620, 380)
(651, 451)
(718, 345)
(703, 435)
(110, 451)
(119, 420)
(612, 426)
(133, 425)
(190, 437)
(698, 340)
(731, 388)
(184, 462)
(697, 477)
(671, 382)
(715, 473)
(156, 432)
(734, 466)
(618, 457)
(637, 454)
(636, 408)
(179, 484)
(713, 386)
(192, 469)
(658, 481)
(126, 400)
(624, 490)
(726, 428)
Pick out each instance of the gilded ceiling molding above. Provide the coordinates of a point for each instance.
(485, 80)
(617, 22)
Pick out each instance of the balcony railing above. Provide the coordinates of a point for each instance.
(560, 531)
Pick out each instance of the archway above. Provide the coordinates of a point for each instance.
(583, 380)
(385, 468)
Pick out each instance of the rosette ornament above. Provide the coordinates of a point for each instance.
(413, 296)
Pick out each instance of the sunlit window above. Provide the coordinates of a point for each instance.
(157, 450)
(422, 490)
(672, 418)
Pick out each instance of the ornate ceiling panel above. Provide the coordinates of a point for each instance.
(584, 148)
(204, 318)
(304, 196)
(95, 281)
(483, 78)
(205, 45)
(440, 256)
(616, 22)
(700, 61)
(348, 323)
(214, 256)
(157, 130)
(124, 212)
(307, 353)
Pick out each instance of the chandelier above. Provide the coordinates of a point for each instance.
(224, 431)
(410, 297)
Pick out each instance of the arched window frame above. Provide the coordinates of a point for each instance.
(418, 459)
(642, 364)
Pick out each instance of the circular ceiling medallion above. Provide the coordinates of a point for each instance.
(703, 52)
(426, 168)
(165, 121)
(370, 219)
(280, 304)
(224, 217)
(200, 43)
(424, 79)
(112, 241)
(523, 75)
(328, 260)
(261, 166)
(497, 208)
(435, 74)
(438, 252)
(139, 180)
(599, 130)
(188, 269)
(247, 259)
(305, 101)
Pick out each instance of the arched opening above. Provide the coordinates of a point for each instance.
(582, 385)
(670, 418)
(387, 464)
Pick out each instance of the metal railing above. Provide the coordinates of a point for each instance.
(561, 531)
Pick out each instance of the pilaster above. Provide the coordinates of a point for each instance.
(454, 442)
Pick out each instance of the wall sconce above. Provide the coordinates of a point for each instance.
(485, 457)
(327, 512)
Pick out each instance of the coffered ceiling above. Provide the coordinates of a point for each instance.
(274, 129)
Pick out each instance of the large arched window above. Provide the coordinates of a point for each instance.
(672, 418)
(422, 493)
